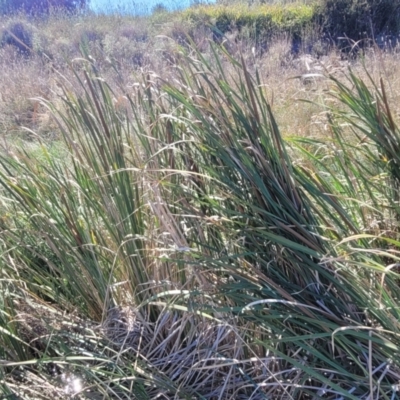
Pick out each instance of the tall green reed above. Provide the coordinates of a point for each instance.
(272, 230)
(187, 198)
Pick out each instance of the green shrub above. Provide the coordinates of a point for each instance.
(359, 19)
(351, 19)
(260, 22)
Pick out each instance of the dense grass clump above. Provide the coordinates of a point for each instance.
(176, 224)
(180, 246)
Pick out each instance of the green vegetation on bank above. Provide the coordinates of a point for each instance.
(343, 22)
(258, 23)
(351, 19)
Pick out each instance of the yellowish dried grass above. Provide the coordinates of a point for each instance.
(132, 45)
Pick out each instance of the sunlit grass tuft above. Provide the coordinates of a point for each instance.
(180, 246)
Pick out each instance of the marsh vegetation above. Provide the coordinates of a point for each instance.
(193, 213)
